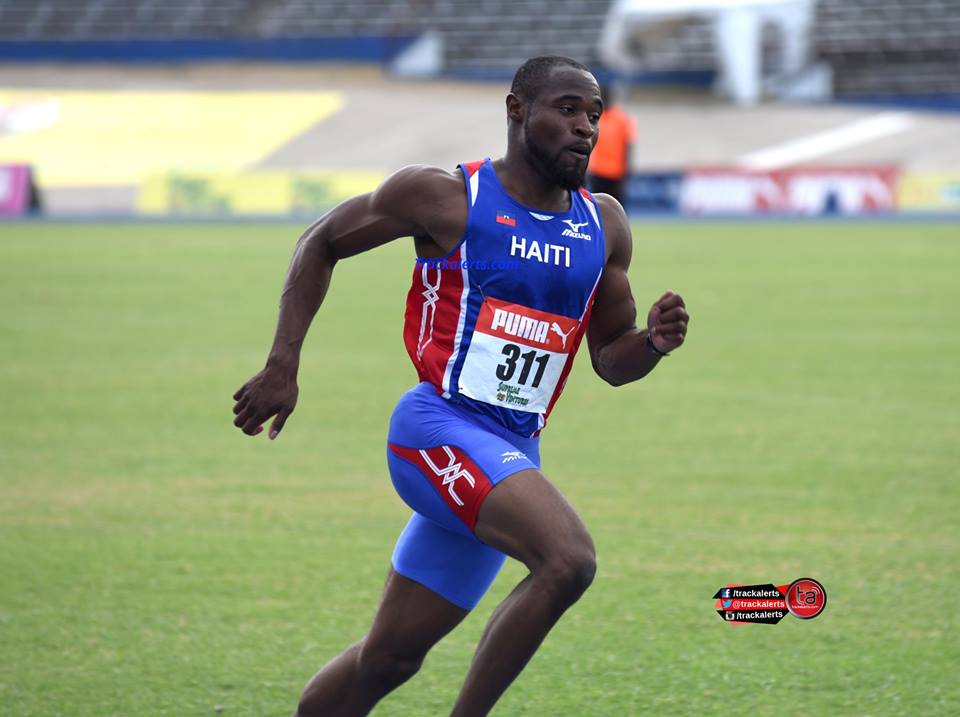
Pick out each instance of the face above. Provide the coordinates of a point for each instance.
(560, 126)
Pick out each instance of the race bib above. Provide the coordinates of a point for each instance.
(516, 356)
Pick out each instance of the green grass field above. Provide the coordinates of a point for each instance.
(155, 561)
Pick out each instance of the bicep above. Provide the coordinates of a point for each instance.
(357, 225)
(614, 312)
(370, 220)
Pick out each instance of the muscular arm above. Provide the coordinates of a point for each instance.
(416, 201)
(620, 352)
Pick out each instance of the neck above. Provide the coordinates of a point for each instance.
(525, 182)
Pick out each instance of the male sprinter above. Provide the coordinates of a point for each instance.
(492, 349)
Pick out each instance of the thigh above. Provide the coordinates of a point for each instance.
(455, 566)
(443, 464)
(527, 518)
(411, 618)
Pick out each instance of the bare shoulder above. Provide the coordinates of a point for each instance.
(419, 182)
(432, 199)
(616, 226)
(614, 216)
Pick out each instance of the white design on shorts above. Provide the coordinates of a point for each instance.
(509, 456)
(451, 473)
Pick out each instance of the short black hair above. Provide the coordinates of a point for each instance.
(531, 75)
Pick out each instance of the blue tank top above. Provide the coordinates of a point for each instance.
(495, 324)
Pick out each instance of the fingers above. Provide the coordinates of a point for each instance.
(245, 415)
(278, 422)
(253, 426)
(240, 405)
(261, 398)
(677, 328)
(668, 336)
(678, 313)
(669, 301)
(242, 417)
(667, 321)
(249, 421)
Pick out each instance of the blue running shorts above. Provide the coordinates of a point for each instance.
(443, 461)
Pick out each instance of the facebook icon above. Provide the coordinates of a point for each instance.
(725, 593)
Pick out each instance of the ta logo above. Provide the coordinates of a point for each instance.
(806, 598)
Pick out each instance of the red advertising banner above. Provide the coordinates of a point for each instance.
(723, 190)
(841, 190)
(802, 190)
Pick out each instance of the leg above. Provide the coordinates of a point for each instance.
(410, 620)
(439, 569)
(527, 518)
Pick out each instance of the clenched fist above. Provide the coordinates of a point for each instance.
(667, 322)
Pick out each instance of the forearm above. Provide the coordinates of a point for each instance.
(627, 358)
(303, 291)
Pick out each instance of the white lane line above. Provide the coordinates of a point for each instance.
(828, 141)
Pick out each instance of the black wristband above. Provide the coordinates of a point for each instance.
(653, 347)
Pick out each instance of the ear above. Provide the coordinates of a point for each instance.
(516, 108)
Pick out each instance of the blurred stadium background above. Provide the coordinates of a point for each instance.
(155, 562)
(271, 108)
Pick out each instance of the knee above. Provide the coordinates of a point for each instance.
(386, 669)
(569, 574)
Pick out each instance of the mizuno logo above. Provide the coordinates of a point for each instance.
(574, 230)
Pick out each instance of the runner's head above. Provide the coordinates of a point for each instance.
(552, 110)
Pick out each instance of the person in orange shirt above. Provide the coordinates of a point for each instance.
(609, 167)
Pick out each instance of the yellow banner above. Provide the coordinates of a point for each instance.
(267, 192)
(929, 192)
(86, 138)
